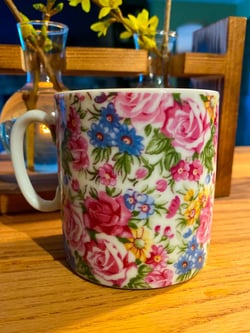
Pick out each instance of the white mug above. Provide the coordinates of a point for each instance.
(136, 172)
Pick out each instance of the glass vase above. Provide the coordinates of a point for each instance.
(158, 59)
(43, 59)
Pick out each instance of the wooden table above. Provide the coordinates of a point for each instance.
(38, 293)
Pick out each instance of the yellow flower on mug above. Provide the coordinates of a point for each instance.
(210, 103)
(189, 195)
(141, 243)
(192, 212)
(203, 197)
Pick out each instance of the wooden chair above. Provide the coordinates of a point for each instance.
(227, 66)
(220, 68)
(84, 61)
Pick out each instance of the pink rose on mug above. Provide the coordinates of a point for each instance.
(142, 107)
(109, 261)
(160, 278)
(74, 121)
(73, 227)
(108, 215)
(79, 148)
(107, 175)
(187, 125)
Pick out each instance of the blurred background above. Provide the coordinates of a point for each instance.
(186, 17)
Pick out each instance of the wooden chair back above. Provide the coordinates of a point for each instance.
(83, 61)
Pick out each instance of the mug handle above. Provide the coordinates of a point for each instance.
(17, 156)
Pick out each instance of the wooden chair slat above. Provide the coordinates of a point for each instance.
(84, 61)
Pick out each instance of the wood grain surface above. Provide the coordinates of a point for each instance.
(99, 61)
(39, 293)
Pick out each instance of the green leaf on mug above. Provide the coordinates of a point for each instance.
(148, 130)
(158, 143)
(83, 268)
(208, 154)
(171, 158)
(138, 281)
(177, 97)
(123, 162)
(101, 154)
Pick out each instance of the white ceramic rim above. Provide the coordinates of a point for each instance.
(142, 90)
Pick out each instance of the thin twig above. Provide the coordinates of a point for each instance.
(16, 13)
(167, 24)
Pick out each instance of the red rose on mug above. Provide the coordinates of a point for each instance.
(108, 215)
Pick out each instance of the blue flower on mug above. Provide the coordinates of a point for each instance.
(109, 117)
(199, 258)
(140, 203)
(192, 259)
(192, 246)
(128, 141)
(188, 233)
(130, 200)
(144, 205)
(208, 179)
(100, 135)
(184, 265)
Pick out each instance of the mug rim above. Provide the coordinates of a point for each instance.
(142, 90)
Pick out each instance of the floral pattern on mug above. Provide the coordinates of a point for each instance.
(138, 184)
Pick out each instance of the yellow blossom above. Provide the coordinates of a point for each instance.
(210, 105)
(84, 3)
(202, 197)
(107, 6)
(189, 195)
(140, 244)
(146, 25)
(101, 27)
(147, 43)
(140, 24)
(192, 212)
